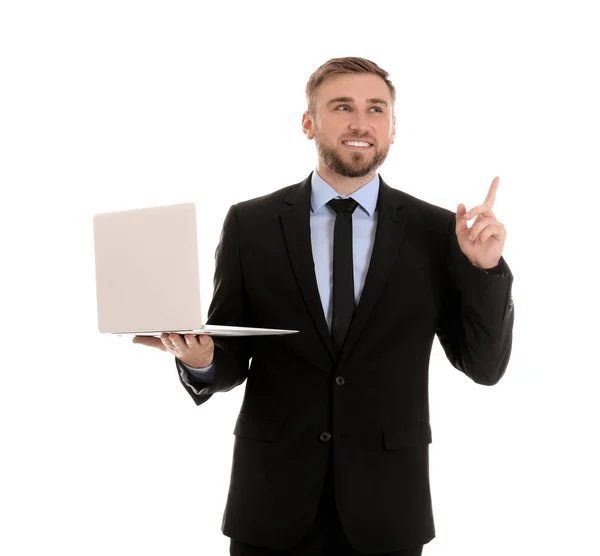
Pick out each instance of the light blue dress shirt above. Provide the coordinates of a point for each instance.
(322, 221)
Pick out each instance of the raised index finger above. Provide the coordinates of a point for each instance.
(491, 196)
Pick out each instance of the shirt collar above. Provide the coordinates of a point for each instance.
(322, 193)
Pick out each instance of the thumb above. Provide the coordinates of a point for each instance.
(461, 223)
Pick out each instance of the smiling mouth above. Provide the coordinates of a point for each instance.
(357, 144)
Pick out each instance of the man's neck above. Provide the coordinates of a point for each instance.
(342, 184)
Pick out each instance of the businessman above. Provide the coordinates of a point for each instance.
(332, 438)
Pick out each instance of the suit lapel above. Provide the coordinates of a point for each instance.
(391, 224)
(295, 220)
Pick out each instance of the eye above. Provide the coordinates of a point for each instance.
(377, 109)
(343, 106)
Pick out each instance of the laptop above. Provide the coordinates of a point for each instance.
(147, 274)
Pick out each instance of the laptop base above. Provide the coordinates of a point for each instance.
(215, 330)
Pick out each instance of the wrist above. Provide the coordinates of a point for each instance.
(198, 363)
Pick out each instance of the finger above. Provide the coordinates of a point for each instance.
(461, 221)
(177, 341)
(148, 341)
(174, 345)
(492, 231)
(165, 336)
(480, 210)
(191, 340)
(169, 342)
(491, 196)
(478, 229)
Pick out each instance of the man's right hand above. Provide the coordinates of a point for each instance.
(194, 351)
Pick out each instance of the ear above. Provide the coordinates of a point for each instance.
(393, 131)
(308, 125)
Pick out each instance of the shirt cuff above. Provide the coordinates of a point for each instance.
(500, 269)
(204, 375)
(497, 270)
(200, 371)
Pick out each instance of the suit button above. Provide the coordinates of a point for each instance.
(339, 380)
(325, 437)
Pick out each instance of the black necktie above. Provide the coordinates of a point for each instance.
(343, 270)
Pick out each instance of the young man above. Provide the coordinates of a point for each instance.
(332, 439)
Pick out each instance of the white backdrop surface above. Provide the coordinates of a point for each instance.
(117, 105)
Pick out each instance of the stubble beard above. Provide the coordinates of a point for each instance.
(360, 165)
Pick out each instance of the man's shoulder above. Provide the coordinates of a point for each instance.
(271, 200)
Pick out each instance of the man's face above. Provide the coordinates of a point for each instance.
(353, 124)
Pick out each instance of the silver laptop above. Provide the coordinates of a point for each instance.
(147, 274)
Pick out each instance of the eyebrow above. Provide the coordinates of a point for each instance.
(350, 99)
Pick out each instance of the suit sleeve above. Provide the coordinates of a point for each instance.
(232, 354)
(477, 314)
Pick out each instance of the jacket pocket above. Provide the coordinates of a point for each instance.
(409, 434)
(258, 428)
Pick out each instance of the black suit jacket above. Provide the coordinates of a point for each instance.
(366, 408)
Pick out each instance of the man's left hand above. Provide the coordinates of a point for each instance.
(483, 242)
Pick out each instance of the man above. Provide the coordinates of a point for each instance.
(331, 448)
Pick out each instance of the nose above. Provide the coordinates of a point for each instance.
(359, 123)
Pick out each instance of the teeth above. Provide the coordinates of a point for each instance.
(357, 143)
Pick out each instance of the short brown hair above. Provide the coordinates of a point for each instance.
(340, 66)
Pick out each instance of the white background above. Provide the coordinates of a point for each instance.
(120, 104)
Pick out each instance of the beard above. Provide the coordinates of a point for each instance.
(360, 163)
